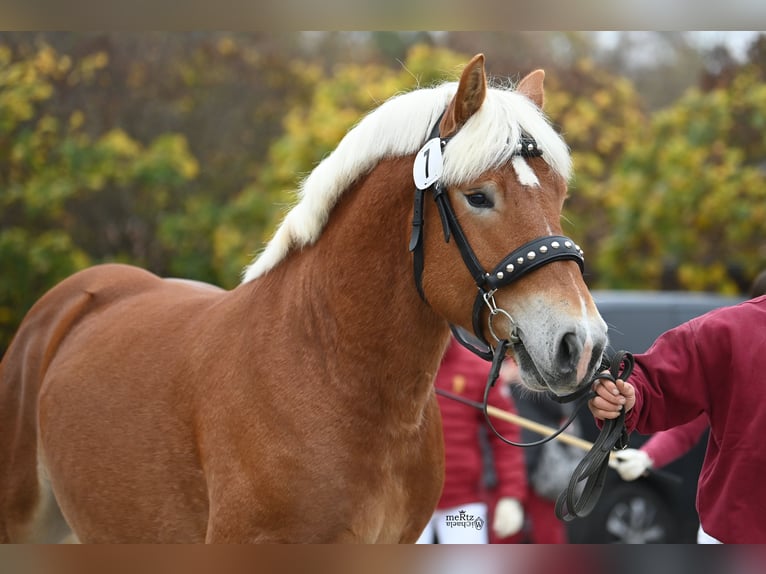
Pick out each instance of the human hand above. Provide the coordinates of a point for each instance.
(611, 397)
(631, 463)
(509, 517)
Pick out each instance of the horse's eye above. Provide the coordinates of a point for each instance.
(479, 199)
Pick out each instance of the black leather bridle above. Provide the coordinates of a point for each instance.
(517, 264)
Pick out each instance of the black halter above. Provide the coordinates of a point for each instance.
(516, 265)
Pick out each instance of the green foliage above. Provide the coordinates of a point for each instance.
(29, 262)
(135, 147)
(61, 191)
(692, 195)
(598, 114)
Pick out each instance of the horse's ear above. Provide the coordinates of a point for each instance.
(471, 92)
(532, 87)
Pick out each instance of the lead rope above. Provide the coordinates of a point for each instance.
(593, 467)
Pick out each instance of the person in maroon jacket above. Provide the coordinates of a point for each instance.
(461, 516)
(667, 446)
(714, 364)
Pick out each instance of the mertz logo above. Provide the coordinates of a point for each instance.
(464, 520)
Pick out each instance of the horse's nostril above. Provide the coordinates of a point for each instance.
(568, 354)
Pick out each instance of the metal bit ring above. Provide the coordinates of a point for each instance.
(513, 336)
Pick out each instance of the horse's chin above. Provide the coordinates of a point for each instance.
(530, 376)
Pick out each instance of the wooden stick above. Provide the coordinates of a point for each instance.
(535, 427)
(538, 428)
(547, 431)
(570, 439)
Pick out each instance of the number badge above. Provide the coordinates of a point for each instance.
(428, 165)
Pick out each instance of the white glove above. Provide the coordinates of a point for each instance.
(631, 463)
(509, 517)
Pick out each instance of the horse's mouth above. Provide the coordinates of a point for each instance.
(535, 381)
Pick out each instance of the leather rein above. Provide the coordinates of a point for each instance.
(575, 501)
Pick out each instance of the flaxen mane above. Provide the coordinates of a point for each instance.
(399, 127)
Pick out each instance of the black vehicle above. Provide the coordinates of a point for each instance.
(651, 509)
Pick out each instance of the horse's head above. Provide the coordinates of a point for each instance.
(502, 174)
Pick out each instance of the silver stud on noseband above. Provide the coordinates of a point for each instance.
(531, 255)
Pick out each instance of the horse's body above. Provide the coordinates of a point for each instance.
(298, 406)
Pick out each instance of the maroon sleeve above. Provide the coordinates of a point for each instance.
(666, 446)
(673, 378)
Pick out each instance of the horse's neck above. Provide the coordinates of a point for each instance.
(356, 283)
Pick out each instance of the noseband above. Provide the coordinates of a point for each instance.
(517, 264)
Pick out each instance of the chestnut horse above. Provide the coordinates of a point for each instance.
(299, 406)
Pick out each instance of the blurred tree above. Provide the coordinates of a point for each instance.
(598, 114)
(60, 187)
(94, 155)
(514, 54)
(225, 92)
(386, 48)
(721, 67)
(662, 65)
(693, 193)
(393, 46)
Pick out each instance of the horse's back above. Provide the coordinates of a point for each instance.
(81, 299)
(61, 385)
